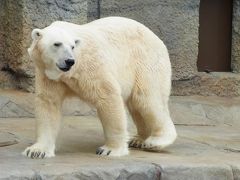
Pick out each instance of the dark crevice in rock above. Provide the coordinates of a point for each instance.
(14, 73)
(17, 80)
(93, 10)
(99, 9)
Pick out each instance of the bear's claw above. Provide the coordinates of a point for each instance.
(35, 154)
(108, 151)
(135, 143)
(38, 152)
(100, 150)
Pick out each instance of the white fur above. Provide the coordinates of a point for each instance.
(118, 61)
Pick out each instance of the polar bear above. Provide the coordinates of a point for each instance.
(110, 63)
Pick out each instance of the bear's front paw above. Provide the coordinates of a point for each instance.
(38, 151)
(109, 151)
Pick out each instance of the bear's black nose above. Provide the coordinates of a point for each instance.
(69, 62)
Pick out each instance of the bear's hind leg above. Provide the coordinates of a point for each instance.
(142, 129)
(157, 118)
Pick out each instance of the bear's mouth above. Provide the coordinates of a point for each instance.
(64, 69)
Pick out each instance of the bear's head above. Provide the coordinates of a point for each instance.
(53, 50)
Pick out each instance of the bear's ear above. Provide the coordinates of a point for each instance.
(36, 34)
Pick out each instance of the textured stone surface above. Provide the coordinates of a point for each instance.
(236, 36)
(200, 152)
(175, 22)
(2, 31)
(236, 172)
(6, 79)
(20, 104)
(209, 84)
(16, 104)
(93, 12)
(204, 111)
(191, 110)
(7, 139)
(198, 173)
(20, 18)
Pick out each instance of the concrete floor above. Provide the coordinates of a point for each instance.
(209, 152)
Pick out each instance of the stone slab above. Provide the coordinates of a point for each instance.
(21, 104)
(7, 139)
(223, 84)
(192, 156)
(185, 110)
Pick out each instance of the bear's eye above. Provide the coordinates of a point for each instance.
(72, 47)
(57, 44)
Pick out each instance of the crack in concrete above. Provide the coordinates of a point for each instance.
(4, 105)
(181, 124)
(232, 150)
(196, 141)
(215, 147)
(8, 143)
(18, 106)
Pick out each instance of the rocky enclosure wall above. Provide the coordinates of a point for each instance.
(18, 18)
(176, 22)
(236, 36)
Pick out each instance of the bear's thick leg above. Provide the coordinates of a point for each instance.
(48, 123)
(153, 108)
(163, 132)
(142, 129)
(48, 102)
(114, 121)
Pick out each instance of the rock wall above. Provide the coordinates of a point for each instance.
(2, 31)
(5, 78)
(236, 36)
(175, 22)
(20, 17)
(222, 84)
